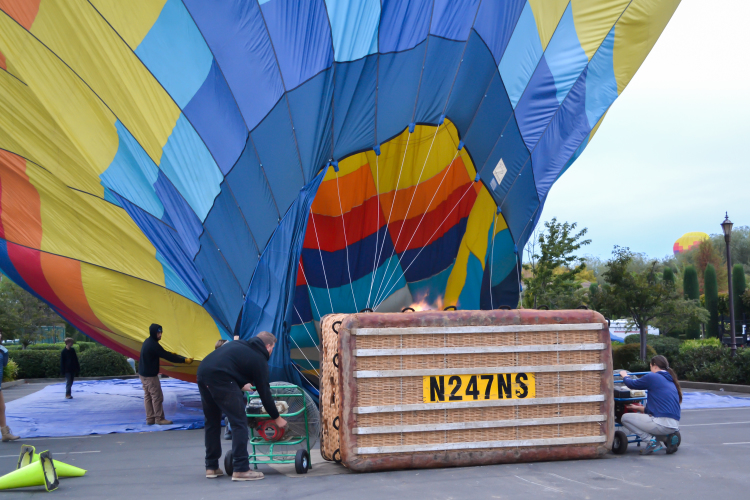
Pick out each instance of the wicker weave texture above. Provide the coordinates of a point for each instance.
(408, 389)
(329, 388)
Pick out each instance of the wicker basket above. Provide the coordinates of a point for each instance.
(392, 395)
(330, 415)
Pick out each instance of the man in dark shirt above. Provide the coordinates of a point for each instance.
(148, 370)
(69, 366)
(222, 376)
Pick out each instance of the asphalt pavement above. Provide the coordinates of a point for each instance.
(711, 461)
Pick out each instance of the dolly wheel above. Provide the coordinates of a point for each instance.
(301, 462)
(620, 443)
(228, 465)
(673, 442)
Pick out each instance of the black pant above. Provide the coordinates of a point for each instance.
(227, 398)
(68, 382)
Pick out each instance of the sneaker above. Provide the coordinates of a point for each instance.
(211, 473)
(652, 447)
(68, 396)
(249, 475)
(227, 435)
(164, 421)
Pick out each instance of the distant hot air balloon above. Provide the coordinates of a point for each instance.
(688, 241)
(233, 166)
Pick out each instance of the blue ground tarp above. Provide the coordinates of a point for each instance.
(102, 407)
(700, 400)
(112, 406)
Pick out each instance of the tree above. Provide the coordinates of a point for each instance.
(23, 314)
(706, 255)
(553, 273)
(680, 315)
(640, 295)
(10, 317)
(738, 288)
(712, 300)
(668, 275)
(692, 292)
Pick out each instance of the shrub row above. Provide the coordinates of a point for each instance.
(95, 362)
(78, 346)
(695, 360)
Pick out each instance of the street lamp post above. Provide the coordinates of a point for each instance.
(726, 226)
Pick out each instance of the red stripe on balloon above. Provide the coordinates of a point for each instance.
(435, 223)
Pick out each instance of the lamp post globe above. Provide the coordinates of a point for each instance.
(726, 227)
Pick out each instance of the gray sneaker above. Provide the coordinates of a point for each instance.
(652, 447)
(248, 475)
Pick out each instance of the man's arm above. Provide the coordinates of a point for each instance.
(264, 391)
(170, 356)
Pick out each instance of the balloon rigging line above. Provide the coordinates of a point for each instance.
(450, 166)
(294, 364)
(302, 267)
(377, 226)
(471, 186)
(393, 202)
(320, 252)
(413, 195)
(308, 331)
(346, 244)
(312, 367)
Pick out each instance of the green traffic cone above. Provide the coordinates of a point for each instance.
(38, 473)
(63, 469)
(26, 456)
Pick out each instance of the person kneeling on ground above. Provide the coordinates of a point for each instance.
(69, 366)
(7, 435)
(222, 376)
(148, 371)
(661, 416)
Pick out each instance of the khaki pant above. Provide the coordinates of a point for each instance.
(153, 399)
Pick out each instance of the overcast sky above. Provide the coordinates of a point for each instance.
(673, 153)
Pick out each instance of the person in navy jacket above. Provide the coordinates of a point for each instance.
(661, 415)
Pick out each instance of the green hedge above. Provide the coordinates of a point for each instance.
(78, 346)
(45, 363)
(627, 357)
(101, 361)
(36, 363)
(666, 346)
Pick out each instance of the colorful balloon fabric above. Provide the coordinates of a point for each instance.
(234, 166)
(688, 241)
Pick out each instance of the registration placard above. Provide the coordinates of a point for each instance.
(447, 388)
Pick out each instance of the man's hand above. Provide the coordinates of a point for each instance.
(280, 422)
(247, 388)
(623, 373)
(188, 361)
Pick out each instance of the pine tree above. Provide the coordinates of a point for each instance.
(711, 288)
(668, 275)
(692, 291)
(738, 288)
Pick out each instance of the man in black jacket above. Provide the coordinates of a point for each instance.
(148, 370)
(69, 366)
(222, 376)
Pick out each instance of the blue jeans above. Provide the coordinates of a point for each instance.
(68, 382)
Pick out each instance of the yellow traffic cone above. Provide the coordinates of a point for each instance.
(26, 456)
(39, 473)
(63, 469)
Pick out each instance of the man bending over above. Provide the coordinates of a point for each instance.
(222, 376)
